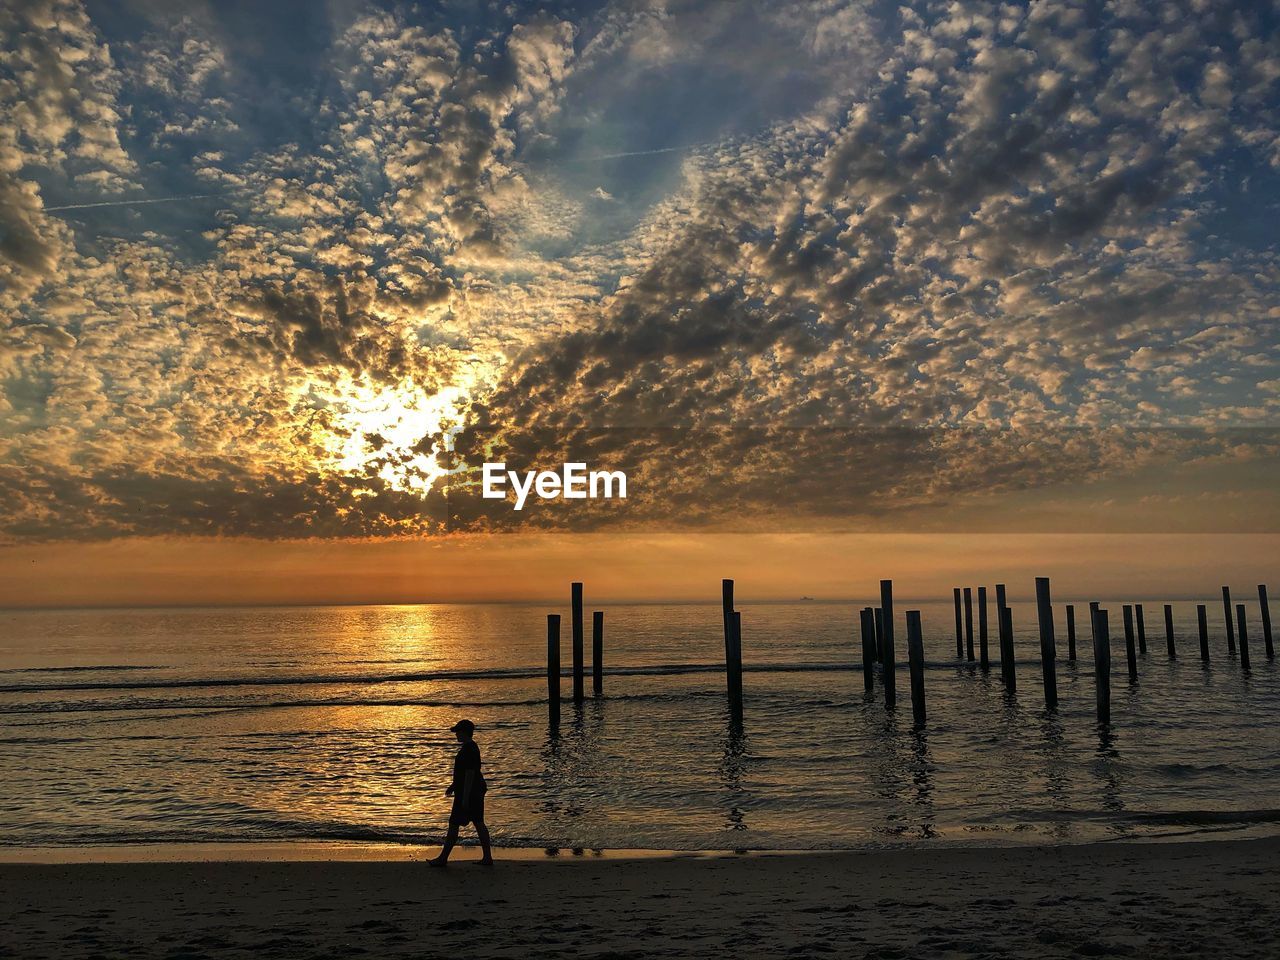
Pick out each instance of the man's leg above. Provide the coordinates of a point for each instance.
(450, 841)
(483, 833)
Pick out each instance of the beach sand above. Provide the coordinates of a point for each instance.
(1204, 899)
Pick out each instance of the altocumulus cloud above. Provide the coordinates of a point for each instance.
(921, 254)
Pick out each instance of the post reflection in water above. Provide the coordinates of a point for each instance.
(1054, 768)
(922, 775)
(1106, 766)
(732, 767)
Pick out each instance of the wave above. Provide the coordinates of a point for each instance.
(90, 668)
(499, 673)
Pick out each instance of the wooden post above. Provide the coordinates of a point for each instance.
(553, 668)
(1202, 617)
(1048, 651)
(1142, 628)
(1265, 609)
(968, 624)
(735, 668)
(1226, 613)
(575, 596)
(726, 603)
(597, 652)
(1244, 637)
(1168, 631)
(915, 655)
(984, 658)
(868, 618)
(1130, 653)
(1071, 632)
(1127, 610)
(1007, 670)
(879, 621)
(1101, 661)
(959, 629)
(886, 659)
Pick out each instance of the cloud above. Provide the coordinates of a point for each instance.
(920, 259)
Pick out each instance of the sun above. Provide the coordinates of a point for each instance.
(376, 430)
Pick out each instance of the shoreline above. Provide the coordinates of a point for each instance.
(372, 851)
(1205, 899)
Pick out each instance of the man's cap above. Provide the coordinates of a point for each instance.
(463, 726)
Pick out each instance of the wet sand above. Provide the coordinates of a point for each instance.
(1204, 899)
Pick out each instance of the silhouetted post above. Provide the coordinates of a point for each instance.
(868, 618)
(1101, 661)
(1007, 671)
(1168, 631)
(984, 659)
(575, 596)
(1265, 609)
(1226, 614)
(879, 621)
(597, 652)
(915, 656)
(959, 629)
(1048, 651)
(886, 659)
(735, 667)
(553, 668)
(968, 624)
(1071, 632)
(1244, 637)
(1128, 640)
(1130, 653)
(1202, 618)
(726, 603)
(1142, 628)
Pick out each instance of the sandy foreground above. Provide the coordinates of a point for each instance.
(1209, 899)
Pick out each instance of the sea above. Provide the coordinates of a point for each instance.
(295, 724)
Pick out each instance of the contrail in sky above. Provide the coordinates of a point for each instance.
(127, 203)
(643, 153)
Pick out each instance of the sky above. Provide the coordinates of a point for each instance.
(275, 279)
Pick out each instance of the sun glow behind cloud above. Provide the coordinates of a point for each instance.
(394, 433)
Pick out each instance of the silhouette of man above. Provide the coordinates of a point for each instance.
(468, 789)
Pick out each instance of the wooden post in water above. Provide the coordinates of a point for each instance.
(1101, 661)
(1071, 632)
(726, 604)
(886, 656)
(1168, 631)
(1142, 628)
(1226, 614)
(553, 668)
(1048, 645)
(968, 623)
(1202, 618)
(915, 656)
(1244, 637)
(959, 629)
(1127, 610)
(1007, 671)
(597, 652)
(575, 596)
(1265, 609)
(735, 668)
(879, 621)
(1129, 651)
(984, 658)
(868, 623)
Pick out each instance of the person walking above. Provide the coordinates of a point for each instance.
(468, 790)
